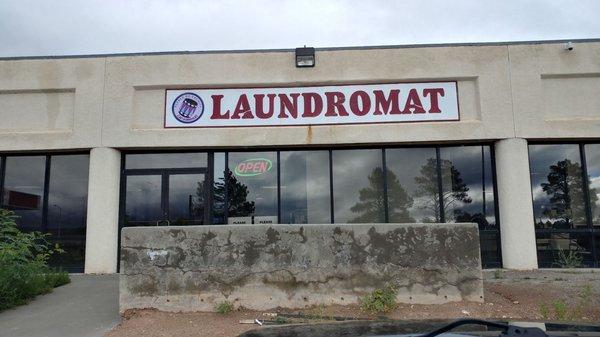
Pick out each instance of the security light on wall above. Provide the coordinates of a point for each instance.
(305, 57)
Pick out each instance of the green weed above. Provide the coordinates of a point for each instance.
(224, 307)
(380, 300)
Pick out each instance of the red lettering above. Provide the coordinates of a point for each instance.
(290, 106)
(365, 103)
(335, 101)
(309, 109)
(433, 98)
(389, 105)
(217, 108)
(258, 102)
(414, 102)
(263, 167)
(242, 109)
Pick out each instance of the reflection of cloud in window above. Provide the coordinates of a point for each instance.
(351, 169)
(305, 186)
(67, 198)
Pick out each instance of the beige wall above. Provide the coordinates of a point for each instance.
(556, 93)
(51, 104)
(507, 93)
(527, 91)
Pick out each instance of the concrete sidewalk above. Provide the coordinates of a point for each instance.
(87, 307)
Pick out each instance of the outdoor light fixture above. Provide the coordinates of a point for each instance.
(305, 57)
(568, 46)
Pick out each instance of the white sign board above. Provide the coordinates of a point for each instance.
(322, 105)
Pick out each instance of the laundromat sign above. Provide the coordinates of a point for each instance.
(322, 105)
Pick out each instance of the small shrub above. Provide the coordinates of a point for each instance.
(568, 259)
(380, 300)
(585, 297)
(224, 307)
(560, 310)
(24, 272)
(281, 320)
(544, 311)
(498, 274)
(563, 312)
(58, 278)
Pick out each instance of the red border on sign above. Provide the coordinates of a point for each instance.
(305, 86)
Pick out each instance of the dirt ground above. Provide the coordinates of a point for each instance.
(571, 295)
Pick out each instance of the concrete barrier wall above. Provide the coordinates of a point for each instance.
(293, 266)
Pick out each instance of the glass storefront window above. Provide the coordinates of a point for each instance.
(564, 250)
(165, 160)
(252, 187)
(592, 156)
(24, 190)
(67, 209)
(467, 185)
(301, 186)
(60, 211)
(412, 185)
(358, 195)
(305, 187)
(557, 186)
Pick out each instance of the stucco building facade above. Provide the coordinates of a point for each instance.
(529, 111)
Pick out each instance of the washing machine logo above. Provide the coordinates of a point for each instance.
(187, 108)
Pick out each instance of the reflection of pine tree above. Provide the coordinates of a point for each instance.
(565, 188)
(371, 205)
(427, 188)
(237, 194)
(478, 218)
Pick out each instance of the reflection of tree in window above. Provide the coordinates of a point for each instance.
(428, 189)
(237, 195)
(371, 205)
(565, 187)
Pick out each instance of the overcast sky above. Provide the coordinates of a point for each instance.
(67, 27)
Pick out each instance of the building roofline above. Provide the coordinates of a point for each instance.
(250, 51)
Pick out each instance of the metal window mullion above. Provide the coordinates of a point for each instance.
(2, 174)
(208, 194)
(46, 192)
(483, 182)
(226, 195)
(278, 187)
(440, 185)
(386, 216)
(165, 196)
(331, 204)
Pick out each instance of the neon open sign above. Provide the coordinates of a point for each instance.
(253, 167)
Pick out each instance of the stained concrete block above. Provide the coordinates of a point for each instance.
(266, 266)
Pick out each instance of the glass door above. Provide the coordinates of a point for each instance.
(143, 195)
(186, 199)
(166, 197)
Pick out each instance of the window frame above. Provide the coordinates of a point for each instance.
(589, 227)
(47, 174)
(330, 148)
